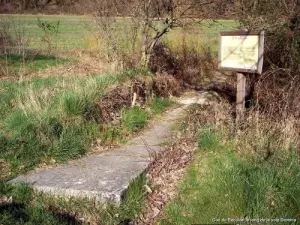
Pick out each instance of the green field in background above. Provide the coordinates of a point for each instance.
(78, 32)
(72, 29)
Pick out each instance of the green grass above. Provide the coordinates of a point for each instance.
(14, 64)
(45, 118)
(19, 211)
(71, 35)
(133, 120)
(30, 208)
(78, 32)
(74, 32)
(221, 184)
(158, 105)
(32, 63)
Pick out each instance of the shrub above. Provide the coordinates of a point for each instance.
(277, 90)
(72, 103)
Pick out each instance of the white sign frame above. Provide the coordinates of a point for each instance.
(258, 66)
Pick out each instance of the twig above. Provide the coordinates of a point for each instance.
(134, 100)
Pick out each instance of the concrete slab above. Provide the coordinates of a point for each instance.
(103, 177)
(106, 177)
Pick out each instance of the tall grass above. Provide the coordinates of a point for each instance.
(249, 174)
(48, 119)
(134, 118)
(43, 119)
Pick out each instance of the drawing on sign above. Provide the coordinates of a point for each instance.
(241, 51)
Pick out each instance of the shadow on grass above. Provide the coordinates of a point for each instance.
(31, 62)
(17, 213)
(19, 57)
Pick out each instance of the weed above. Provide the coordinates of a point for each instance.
(134, 119)
(72, 103)
(132, 203)
(159, 105)
(208, 140)
(72, 142)
(20, 124)
(111, 134)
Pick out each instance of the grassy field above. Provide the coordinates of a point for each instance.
(72, 30)
(79, 32)
(34, 49)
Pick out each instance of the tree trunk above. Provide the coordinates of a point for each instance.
(148, 46)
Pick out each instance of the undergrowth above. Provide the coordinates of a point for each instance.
(234, 175)
(133, 120)
(43, 120)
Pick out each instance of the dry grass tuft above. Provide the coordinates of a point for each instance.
(166, 85)
(111, 105)
(4, 169)
(189, 69)
(264, 137)
(33, 102)
(259, 137)
(278, 97)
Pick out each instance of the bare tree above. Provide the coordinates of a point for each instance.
(153, 18)
(157, 18)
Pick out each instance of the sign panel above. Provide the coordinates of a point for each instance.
(241, 51)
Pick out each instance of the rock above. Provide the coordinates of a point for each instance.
(156, 211)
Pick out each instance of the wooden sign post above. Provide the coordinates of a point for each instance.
(241, 51)
(240, 97)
